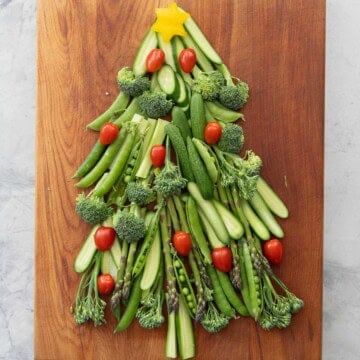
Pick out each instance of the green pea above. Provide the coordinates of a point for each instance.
(191, 305)
(256, 279)
(177, 264)
(182, 278)
(181, 271)
(185, 291)
(127, 179)
(189, 298)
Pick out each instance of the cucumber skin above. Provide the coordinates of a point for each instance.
(179, 119)
(197, 115)
(139, 67)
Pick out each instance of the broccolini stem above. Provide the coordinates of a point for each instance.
(222, 195)
(173, 214)
(168, 152)
(179, 205)
(128, 271)
(173, 296)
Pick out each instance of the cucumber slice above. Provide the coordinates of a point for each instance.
(196, 71)
(201, 59)
(185, 332)
(232, 224)
(166, 47)
(152, 264)
(258, 226)
(271, 199)
(209, 231)
(222, 113)
(108, 266)
(198, 36)
(149, 42)
(177, 47)
(115, 252)
(182, 99)
(87, 252)
(168, 81)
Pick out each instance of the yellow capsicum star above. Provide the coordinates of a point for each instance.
(170, 21)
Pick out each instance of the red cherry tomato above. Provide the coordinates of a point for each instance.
(104, 238)
(155, 60)
(157, 155)
(182, 242)
(108, 133)
(222, 258)
(187, 60)
(105, 284)
(273, 251)
(212, 132)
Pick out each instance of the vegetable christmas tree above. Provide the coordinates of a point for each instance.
(179, 216)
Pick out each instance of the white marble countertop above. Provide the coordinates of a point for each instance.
(341, 332)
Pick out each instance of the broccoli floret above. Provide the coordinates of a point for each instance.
(139, 193)
(232, 139)
(213, 320)
(169, 181)
(208, 84)
(234, 97)
(155, 104)
(130, 84)
(129, 226)
(92, 209)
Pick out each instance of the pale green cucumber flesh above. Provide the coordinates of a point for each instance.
(150, 42)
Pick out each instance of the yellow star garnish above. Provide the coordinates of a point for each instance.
(169, 22)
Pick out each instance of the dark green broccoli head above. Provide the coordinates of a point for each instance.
(130, 228)
(233, 97)
(155, 104)
(139, 193)
(92, 209)
(169, 181)
(130, 84)
(208, 84)
(232, 139)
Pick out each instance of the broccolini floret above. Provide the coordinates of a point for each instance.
(139, 192)
(213, 320)
(232, 138)
(234, 97)
(130, 84)
(92, 209)
(130, 226)
(155, 104)
(208, 84)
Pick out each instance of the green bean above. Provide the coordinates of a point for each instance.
(231, 294)
(131, 308)
(117, 106)
(219, 296)
(196, 229)
(128, 114)
(118, 166)
(250, 275)
(91, 160)
(103, 164)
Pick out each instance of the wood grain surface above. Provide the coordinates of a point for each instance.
(278, 48)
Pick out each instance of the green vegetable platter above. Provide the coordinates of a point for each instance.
(185, 227)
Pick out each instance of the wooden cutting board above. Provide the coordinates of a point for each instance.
(278, 48)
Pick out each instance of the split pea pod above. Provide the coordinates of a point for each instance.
(127, 115)
(185, 287)
(219, 296)
(117, 167)
(103, 164)
(131, 308)
(231, 294)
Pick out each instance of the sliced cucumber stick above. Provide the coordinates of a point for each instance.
(115, 252)
(108, 266)
(166, 47)
(257, 225)
(150, 42)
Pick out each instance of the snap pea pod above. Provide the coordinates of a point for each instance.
(179, 206)
(147, 243)
(127, 115)
(116, 107)
(222, 113)
(91, 160)
(185, 287)
(117, 167)
(219, 296)
(207, 158)
(196, 229)
(244, 282)
(131, 308)
(103, 164)
(231, 294)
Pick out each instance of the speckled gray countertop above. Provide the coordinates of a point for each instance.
(342, 173)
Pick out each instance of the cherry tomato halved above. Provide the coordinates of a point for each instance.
(157, 155)
(222, 259)
(273, 251)
(108, 133)
(155, 60)
(212, 132)
(182, 242)
(104, 238)
(105, 283)
(187, 60)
